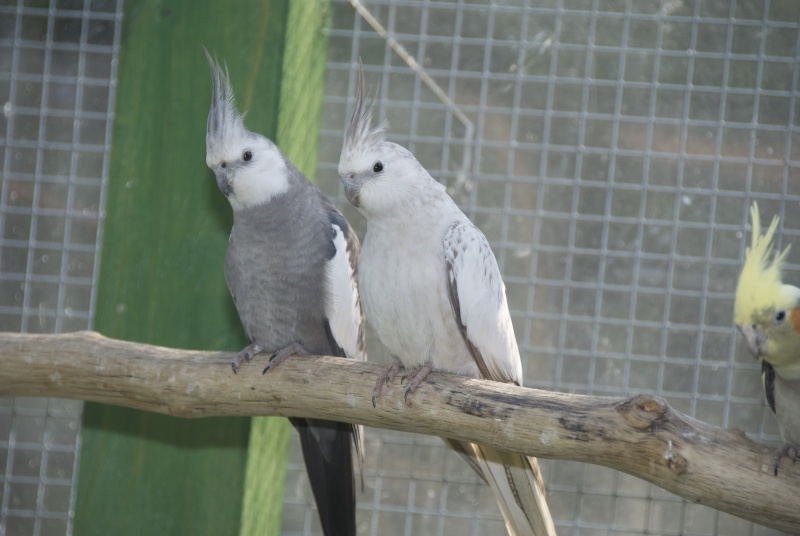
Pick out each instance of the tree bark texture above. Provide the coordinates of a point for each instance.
(642, 436)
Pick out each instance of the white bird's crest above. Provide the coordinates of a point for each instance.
(225, 123)
(249, 168)
(360, 139)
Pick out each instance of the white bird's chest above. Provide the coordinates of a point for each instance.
(403, 283)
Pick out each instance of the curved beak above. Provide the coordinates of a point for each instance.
(756, 339)
(352, 191)
(223, 183)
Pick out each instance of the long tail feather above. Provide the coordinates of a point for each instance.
(516, 481)
(329, 462)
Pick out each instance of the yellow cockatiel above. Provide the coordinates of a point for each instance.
(768, 314)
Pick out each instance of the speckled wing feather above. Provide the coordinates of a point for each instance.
(478, 297)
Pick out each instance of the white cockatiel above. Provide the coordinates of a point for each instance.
(431, 288)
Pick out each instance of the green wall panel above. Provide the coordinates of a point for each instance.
(161, 278)
(302, 89)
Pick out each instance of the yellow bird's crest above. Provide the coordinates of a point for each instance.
(760, 282)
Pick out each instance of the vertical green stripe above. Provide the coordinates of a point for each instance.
(303, 82)
(300, 109)
(162, 277)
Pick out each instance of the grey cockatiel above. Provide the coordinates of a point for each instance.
(432, 290)
(291, 268)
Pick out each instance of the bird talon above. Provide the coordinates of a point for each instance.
(387, 375)
(283, 353)
(272, 362)
(789, 450)
(376, 391)
(245, 355)
(415, 378)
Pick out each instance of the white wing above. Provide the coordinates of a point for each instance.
(343, 306)
(478, 297)
(516, 481)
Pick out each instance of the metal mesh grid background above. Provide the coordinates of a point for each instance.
(58, 68)
(617, 147)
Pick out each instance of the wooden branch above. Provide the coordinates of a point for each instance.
(642, 435)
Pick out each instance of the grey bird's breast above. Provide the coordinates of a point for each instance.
(275, 254)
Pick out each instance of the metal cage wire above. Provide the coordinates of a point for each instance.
(58, 69)
(615, 147)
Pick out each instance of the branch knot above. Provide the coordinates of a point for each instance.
(643, 412)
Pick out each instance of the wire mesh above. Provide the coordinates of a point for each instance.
(617, 146)
(58, 65)
(612, 149)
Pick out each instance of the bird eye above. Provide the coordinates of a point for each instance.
(224, 164)
(378, 167)
(781, 316)
(247, 156)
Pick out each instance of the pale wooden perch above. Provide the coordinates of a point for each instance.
(642, 436)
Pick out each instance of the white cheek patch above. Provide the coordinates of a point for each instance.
(342, 306)
(260, 181)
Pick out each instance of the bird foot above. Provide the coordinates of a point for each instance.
(283, 353)
(415, 377)
(386, 376)
(790, 450)
(245, 355)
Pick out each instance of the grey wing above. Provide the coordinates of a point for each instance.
(478, 297)
(235, 280)
(768, 378)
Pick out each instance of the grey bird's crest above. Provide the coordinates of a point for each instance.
(360, 140)
(225, 123)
